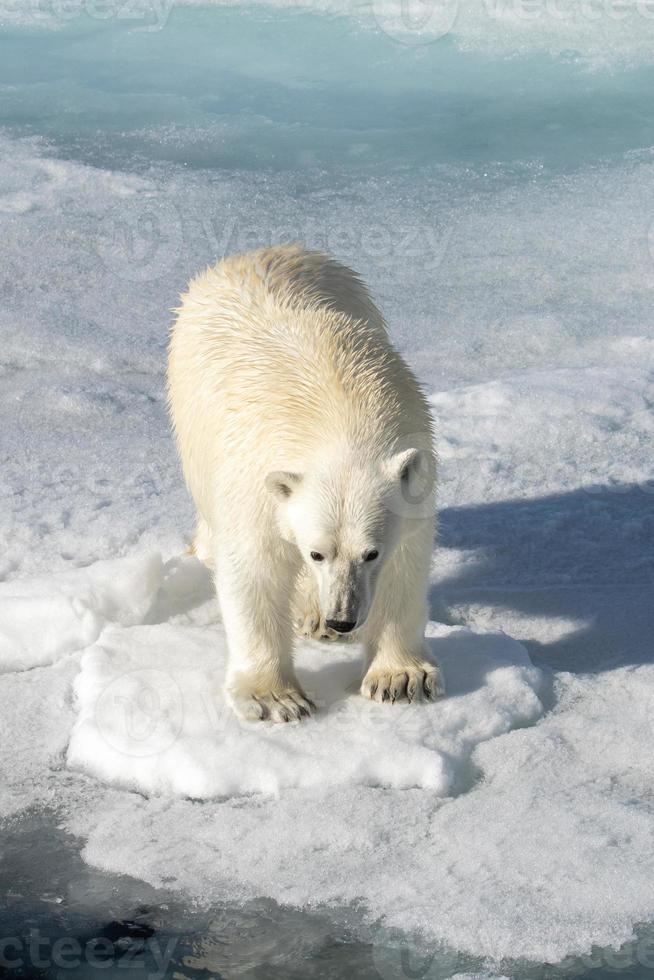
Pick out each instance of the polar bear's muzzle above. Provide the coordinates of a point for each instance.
(345, 594)
(340, 625)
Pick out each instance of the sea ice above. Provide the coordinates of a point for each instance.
(152, 717)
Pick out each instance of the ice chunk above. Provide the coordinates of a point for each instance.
(42, 620)
(152, 717)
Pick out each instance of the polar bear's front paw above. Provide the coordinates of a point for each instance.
(414, 682)
(286, 704)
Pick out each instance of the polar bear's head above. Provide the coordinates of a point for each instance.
(346, 520)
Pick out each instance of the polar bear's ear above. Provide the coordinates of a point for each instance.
(282, 484)
(413, 472)
(402, 466)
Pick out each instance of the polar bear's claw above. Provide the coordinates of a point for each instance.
(278, 706)
(412, 684)
(433, 685)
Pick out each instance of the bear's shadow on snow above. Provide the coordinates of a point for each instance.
(585, 558)
(335, 681)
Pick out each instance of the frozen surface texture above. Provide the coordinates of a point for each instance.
(490, 816)
(546, 855)
(501, 211)
(599, 35)
(152, 717)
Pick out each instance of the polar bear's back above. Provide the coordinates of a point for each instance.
(287, 275)
(274, 355)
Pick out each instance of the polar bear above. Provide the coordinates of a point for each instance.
(307, 445)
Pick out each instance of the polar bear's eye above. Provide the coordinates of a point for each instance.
(371, 555)
(316, 556)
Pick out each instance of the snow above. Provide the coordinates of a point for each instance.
(514, 818)
(42, 620)
(37, 716)
(593, 427)
(152, 717)
(500, 870)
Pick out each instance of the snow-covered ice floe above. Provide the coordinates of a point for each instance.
(477, 821)
(545, 853)
(152, 717)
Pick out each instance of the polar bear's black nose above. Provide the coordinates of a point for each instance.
(339, 625)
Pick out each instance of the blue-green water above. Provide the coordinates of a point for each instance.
(253, 89)
(61, 918)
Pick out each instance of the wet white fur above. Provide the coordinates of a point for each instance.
(300, 429)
